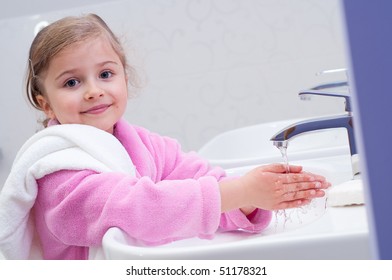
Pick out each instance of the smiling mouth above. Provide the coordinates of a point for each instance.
(97, 109)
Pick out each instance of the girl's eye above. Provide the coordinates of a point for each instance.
(71, 83)
(106, 74)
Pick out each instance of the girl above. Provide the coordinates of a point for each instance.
(90, 170)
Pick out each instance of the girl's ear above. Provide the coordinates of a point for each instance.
(45, 106)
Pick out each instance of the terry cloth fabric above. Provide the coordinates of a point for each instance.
(60, 147)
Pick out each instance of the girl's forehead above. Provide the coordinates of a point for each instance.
(82, 55)
(99, 44)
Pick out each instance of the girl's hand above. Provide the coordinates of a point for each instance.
(269, 187)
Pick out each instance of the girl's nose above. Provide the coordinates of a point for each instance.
(93, 91)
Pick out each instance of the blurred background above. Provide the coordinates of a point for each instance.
(206, 66)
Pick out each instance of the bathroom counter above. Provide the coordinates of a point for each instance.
(341, 233)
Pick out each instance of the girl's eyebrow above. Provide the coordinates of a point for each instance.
(107, 62)
(70, 71)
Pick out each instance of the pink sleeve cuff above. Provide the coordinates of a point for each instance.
(254, 222)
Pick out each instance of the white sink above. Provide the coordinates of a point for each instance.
(315, 232)
(251, 145)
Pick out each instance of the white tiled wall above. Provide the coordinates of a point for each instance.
(207, 66)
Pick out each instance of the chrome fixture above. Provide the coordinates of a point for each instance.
(282, 137)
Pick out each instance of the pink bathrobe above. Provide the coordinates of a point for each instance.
(174, 195)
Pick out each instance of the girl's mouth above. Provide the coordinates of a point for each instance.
(97, 109)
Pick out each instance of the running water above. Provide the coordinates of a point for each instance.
(283, 151)
(290, 216)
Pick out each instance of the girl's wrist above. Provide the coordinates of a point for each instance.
(232, 195)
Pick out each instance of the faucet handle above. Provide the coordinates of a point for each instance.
(330, 85)
(323, 93)
(329, 71)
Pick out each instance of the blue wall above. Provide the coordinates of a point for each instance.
(369, 34)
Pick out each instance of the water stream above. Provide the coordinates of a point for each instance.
(296, 216)
(282, 213)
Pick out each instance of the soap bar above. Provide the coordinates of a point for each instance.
(355, 164)
(347, 193)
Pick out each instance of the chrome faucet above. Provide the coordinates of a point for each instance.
(281, 138)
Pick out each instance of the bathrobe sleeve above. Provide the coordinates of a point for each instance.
(171, 163)
(174, 195)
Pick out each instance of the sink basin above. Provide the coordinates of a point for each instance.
(251, 145)
(315, 232)
(334, 236)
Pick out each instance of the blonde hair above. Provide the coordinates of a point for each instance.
(60, 34)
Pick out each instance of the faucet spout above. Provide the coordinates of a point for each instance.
(281, 144)
(331, 122)
(340, 121)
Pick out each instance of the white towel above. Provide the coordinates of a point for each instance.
(70, 146)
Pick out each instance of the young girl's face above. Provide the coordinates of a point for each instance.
(86, 84)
